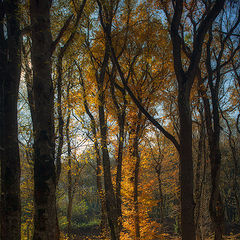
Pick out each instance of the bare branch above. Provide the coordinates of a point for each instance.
(60, 34)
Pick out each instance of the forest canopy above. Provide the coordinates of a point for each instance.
(119, 119)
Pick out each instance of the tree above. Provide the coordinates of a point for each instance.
(61, 53)
(10, 69)
(185, 79)
(45, 215)
(212, 118)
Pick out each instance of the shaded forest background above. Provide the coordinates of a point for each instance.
(120, 119)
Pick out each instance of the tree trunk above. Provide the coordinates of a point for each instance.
(216, 205)
(109, 192)
(10, 67)
(134, 134)
(121, 116)
(186, 164)
(213, 130)
(161, 199)
(200, 173)
(69, 174)
(135, 193)
(45, 214)
(60, 116)
(110, 198)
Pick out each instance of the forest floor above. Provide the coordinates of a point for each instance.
(93, 233)
(87, 233)
(92, 236)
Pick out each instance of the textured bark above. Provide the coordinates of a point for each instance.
(70, 192)
(213, 129)
(121, 116)
(110, 198)
(45, 214)
(136, 181)
(186, 165)
(200, 173)
(134, 136)
(60, 115)
(10, 67)
(109, 192)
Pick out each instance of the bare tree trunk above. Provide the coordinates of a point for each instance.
(45, 214)
(136, 181)
(185, 80)
(110, 198)
(121, 116)
(109, 192)
(69, 174)
(10, 67)
(134, 135)
(216, 208)
(161, 199)
(60, 115)
(200, 173)
(186, 165)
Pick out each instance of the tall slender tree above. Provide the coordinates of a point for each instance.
(10, 68)
(45, 215)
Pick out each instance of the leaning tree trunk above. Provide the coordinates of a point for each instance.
(45, 215)
(10, 68)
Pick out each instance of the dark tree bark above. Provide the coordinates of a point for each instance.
(212, 117)
(45, 214)
(121, 117)
(110, 198)
(136, 156)
(10, 68)
(70, 192)
(213, 129)
(185, 81)
(200, 174)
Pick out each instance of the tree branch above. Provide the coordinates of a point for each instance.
(60, 34)
(135, 100)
